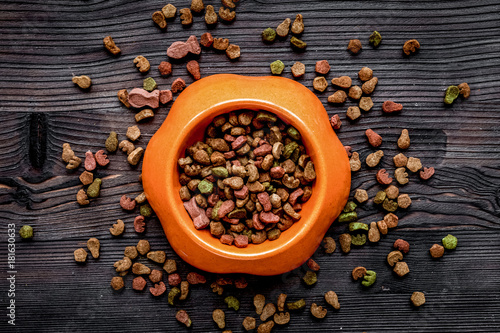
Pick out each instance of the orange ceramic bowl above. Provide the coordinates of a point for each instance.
(185, 124)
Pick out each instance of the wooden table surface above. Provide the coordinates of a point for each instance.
(44, 43)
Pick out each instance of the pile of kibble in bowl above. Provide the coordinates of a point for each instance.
(247, 180)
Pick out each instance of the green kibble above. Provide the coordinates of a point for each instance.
(269, 35)
(276, 164)
(390, 205)
(26, 232)
(295, 155)
(273, 234)
(293, 133)
(112, 142)
(358, 240)
(248, 233)
(174, 292)
(298, 43)
(94, 188)
(215, 210)
(209, 151)
(149, 84)
(266, 184)
(350, 206)
(220, 172)
(375, 39)
(289, 149)
(310, 278)
(297, 305)
(451, 94)
(277, 67)
(232, 303)
(348, 217)
(369, 278)
(146, 210)
(238, 213)
(379, 197)
(270, 188)
(263, 117)
(450, 242)
(355, 226)
(205, 187)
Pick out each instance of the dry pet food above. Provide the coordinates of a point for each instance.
(318, 311)
(411, 46)
(26, 232)
(82, 81)
(332, 299)
(186, 16)
(320, 83)
(117, 283)
(298, 69)
(354, 46)
(142, 64)
(450, 242)
(110, 45)
(417, 298)
(390, 106)
(322, 67)
(94, 245)
(375, 39)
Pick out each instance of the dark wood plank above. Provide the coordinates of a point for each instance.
(40, 50)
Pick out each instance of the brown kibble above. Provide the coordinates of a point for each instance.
(400, 160)
(313, 265)
(281, 302)
(382, 227)
(197, 6)
(177, 86)
(365, 74)
(226, 14)
(338, 97)
(404, 201)
(373, 233)
(268, 311)
(186, 16)
(140, 269)
(207, 39)
(126, 146)
(391, 220)
(94, 245)
(183, 317)
(127, 203)
(353, 113)
(195, 278)
(135, 156)
(414, 164)
(165, 68)
(117, 283)
(329, 245)
(117, 228)
(87, 178)
(266, 327)
(464, 89)
(259, 301)
(369, 86)
(298, 25)
(82, 198)
(142, 64)
(67, 153)
(193, 68)
(210, 15)
(143, 246)
(361, 195)
(233, 51)
(110, 45)
(298, 69)
(123, 97)
(358, 273)
(374, 139)
(318, 311)
(157, 256)
(282, 318)
(322, 67)
(174, 279)
(139, 283)
(343, 82)
(426, 173)
(348, 150)
(401, 176)
(143, 114)
(219, 318)
(249, 323)
(122, 265)
(404, 140)
(82, 81)
(332, 299)
(411, 46)
(221, 44)
(80, 255)
(169, 11)
(417, 298)
(335, 122)
(354, 46)
(401, 245)
(355, 162)
(284, 27)
(401, 268)
(133, 133)
(158, 289)
(355, 92)
(320, 83)
(365, 103)
(394, 257)
(391, 192)
(373, 159)
(159, 19)
(390, 106)
(130, 252)
(345, 242)
(170, 266)
(436, 251)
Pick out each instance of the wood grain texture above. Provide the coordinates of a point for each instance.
(43, 44)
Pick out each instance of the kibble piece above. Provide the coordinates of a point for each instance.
(369, 278)
(94, 245)
(343, 82)
(365, 74)
(417, 298)
(142, 64)
(123, 97)
(426, 173)
(233, 51)
(210, 15)
(94, 189)
(177, 86)
(391, 192)
(123, 264)
(355, 92)
(354, 46)
(144, 114)
(195, 278)
(135, 156)
(82, 198)
(226, 14)
(373, 159)
(358, 273)
(322, 67)
(259, 301)
(379, 197)
(404, 201)
(369, 86)
(281, 302)
(354, 162)
(400, 160)
(414, 164)
(26, 232)
(284, 27)
(143, 246)
(464, 89)
(318, 311)
(332, 299)
(183, 317)
(450, 242)
(149, 84)
(361, 195)
(297, 43)
(159, 19)
(269, 35)
(221, 44)
(411, 46)
(131, 252)
(219, 318)
(173, 294)
(329, 245)
(158, 289)
(451, 94)
(390, 106)
(391, 220)
(140, 269)
(375, 39)
(197, 6)
(401, 268)
(170, 266)
(139, 283)
(394, 257)
(232, 303)
(298, 25)
(335, 121)
(365, 103)
(229, 3)
(249, 323)
(401, 176)
(374, 139)
(338, 97)
(157, 256)
(206, 39)
(266, 327)
(345, 242)
(277, 67)
(169, 11)
(298, 69)
(133, 133)
(373, 233)
(82, 81)
(320, 83)
(404, 139)
(382, 227)
(110, 45)
(117, 283)
(186, 16)
(80, 255)
(86, 178)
